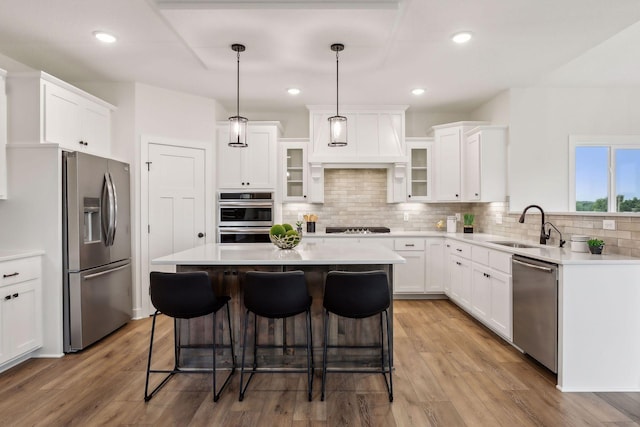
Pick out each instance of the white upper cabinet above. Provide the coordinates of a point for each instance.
(484, 164)
(3, 135)
(253, 167)
(294, 170)
(449, 140)
(44, 109)
(374, 135)
(419, 170)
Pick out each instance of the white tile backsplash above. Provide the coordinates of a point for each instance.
(358, 197)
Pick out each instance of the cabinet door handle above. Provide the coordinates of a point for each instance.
(7, 298)
(4, 276)
(409, 245)
(459, 250)
(16, 295)
(457, 196)
(458, 262)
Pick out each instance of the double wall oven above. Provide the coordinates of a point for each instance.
(244, 217)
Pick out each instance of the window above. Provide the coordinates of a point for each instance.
(602, 166)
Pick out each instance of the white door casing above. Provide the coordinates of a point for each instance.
(178, 214)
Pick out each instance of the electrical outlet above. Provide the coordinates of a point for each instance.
(498, 219)
(406, 216)
(608, 224)
(458, 217)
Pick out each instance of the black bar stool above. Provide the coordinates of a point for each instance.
(358, 295)
(275, 295)
(186, 296)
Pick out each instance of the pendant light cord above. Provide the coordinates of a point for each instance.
(337, 91)
(238, 85)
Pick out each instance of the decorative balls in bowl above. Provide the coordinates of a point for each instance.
(284, 236)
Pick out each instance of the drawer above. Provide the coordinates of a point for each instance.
(461, 249)
(480, 255)
(408, 244)
(500, 261)
(19, 270)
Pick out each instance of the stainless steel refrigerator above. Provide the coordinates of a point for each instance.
(96, 248)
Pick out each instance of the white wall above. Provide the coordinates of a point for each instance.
(419, 123)
(496, 110)
(541, 120)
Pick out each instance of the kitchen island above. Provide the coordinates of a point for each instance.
(227, 265)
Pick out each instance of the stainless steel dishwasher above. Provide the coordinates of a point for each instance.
(535, 309)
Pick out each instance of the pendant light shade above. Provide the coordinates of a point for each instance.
(237, 123)
(337, 123)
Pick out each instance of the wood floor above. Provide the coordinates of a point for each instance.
(450, 371)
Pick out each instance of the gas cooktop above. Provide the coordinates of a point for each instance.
(357, 230)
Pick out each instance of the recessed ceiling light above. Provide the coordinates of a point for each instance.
(461, 37)
(104, 37)
(417, 91)
(293, 91)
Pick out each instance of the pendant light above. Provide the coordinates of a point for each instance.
(237, 123)
(337, 123)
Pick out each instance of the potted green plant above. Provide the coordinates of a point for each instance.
(595, 246)
(468, 223)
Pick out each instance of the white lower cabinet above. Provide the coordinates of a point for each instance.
(460, 272)
(491, 300)
(20, 307)
(481, 292)
(410, 278)
(434, 251)
(501, 304)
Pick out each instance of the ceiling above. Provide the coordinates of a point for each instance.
(391, 47)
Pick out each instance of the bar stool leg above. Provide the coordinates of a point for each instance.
(309, 355)
(244, 348)
(390, 357)
(324, 353)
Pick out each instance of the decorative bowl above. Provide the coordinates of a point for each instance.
(285, 242)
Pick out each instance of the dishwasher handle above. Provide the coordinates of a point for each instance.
(539, 267)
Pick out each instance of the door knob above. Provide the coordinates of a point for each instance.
(201, 235)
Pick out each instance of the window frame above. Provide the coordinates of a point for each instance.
(612, 143)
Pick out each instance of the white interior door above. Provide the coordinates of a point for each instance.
(176, 215)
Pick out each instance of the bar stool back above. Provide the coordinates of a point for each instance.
(275, 295)
(186, 296)
(358, 295)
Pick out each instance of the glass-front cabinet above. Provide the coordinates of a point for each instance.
(294, 170)
(420, 153)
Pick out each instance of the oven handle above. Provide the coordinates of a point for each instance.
(245, 204)
(243, 230)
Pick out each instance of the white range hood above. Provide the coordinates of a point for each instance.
(375, 137)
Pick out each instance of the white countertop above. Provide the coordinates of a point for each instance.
(18, 254)
(306, 253)
(554, 254)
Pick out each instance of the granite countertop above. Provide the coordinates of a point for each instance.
(306, 253)
(554, 254)
(6, 255)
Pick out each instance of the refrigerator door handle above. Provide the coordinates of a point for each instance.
(108, 209)
(114, 209)
(102, 273)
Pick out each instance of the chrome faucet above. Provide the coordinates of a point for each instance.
(543, 235)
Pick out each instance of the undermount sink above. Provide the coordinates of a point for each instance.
(514, 244)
